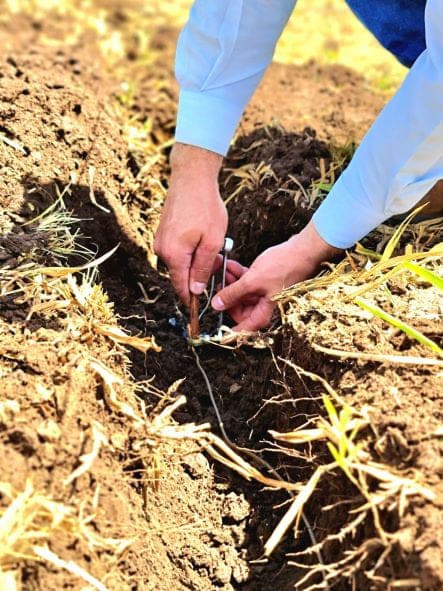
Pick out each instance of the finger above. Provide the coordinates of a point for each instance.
(179, 273)
(178, 263)
(201, 268)
(230, 278)
(260, 317)
(236, 313)
(240, 313)
(233, 294)
(236, 269)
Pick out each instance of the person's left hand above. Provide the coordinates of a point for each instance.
(248, 295)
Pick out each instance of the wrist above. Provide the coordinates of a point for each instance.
(193, 160)
(309, 244)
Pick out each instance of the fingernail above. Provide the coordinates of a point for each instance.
(218, 304)
(197, 288)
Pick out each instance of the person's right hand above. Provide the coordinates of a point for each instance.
(248, 296)
(194, 220)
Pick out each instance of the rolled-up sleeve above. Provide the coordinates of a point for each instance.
(401, 157)
(222, 54)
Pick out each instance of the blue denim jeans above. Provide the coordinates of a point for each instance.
(399, 25)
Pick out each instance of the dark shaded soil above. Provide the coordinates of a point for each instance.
(198, 524)
(280, 167)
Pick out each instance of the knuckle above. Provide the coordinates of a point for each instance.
(172, 255)
(248, 282)
(212, 245)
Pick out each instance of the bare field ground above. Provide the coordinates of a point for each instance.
(112, 472)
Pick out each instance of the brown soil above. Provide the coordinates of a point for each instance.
(343, 108)
(197, 525)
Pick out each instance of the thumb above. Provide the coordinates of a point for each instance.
(233, 294)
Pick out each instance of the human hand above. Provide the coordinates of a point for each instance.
(248, 295)
(194, 220)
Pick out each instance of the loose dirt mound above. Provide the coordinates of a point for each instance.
(196, 525)
(405, 409)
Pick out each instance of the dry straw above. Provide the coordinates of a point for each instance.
(29, 521)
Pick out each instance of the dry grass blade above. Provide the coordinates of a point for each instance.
(235, 461)
(295, 511)
(247, 473)
(69, 566)
(410, 360)
(374, 283)
(384, 475)
(86, 460)
(434, 253)
(31, 270)
(394, 240)
(60, 272)
(251, 175)
(300, 436)
(116, 334)
(397, 323)
(110, 380)
(91, 172)
(405, 583)
(98, 312)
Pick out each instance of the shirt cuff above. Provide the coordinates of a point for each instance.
(206, 121)
(343, 218)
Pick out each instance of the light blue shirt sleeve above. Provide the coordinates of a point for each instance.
(222, 54)
(401, 157)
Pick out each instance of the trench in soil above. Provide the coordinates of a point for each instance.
(243, 380)
(252, 388)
